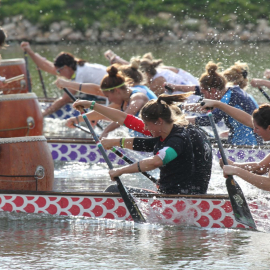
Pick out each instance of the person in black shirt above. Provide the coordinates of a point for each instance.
(181, 151)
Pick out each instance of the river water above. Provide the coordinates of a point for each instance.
(33, 241)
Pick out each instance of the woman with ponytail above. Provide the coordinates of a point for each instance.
(181, 151)
(157, 77)
(213, 85)
(122, 86)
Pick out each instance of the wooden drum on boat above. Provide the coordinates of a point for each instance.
(10, 68)
(26, 164)
(20, 116)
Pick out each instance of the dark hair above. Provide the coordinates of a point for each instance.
(211, 78)
(3, 37)
(163, 108)
(112, 79)
(262, 116)
(67, 59)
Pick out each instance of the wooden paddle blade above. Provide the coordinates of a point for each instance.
(130, 202)
(240, 207)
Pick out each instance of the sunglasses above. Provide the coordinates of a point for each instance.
(58, 69)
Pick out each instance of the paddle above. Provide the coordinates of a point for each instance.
(264, 93)
(74, 99)
(239, 205)
(127, 197)
(121, 155)
(14, 79)
(27, 72)
(42, 82)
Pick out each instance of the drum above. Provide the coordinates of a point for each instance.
(10, 68)
(20, 116)
(26, 164)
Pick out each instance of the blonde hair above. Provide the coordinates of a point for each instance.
(132, 73)
(149, 65)
(237, 74)
(164, 108)
(212, 78)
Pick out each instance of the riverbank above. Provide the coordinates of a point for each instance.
(18, 28)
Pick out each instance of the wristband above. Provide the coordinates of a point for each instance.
(123, 143)
(139, 168)
(92, 105)
(80, 87)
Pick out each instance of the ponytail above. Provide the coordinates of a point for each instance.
(164, 108)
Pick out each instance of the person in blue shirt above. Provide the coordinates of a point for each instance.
(213, 85)
(123, 86)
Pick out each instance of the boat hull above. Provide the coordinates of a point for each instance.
(85, 150)
(204, 211)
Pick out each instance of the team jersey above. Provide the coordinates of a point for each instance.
(201, 149)
(89, 73)
(178, 160)
(239, 134)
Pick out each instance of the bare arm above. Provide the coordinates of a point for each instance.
(259, 82)
(87, 88)
(40, 61)
(235, 113)
(183, 88)
(109, 143)
(157, 85)
(147, 164)
(259, 181)
(112, 113)
(59, 103)
(92, 116)
(259, 168)
(136, 102)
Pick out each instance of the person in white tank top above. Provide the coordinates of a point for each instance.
(187, 78)
(68, 66)
(158, 77)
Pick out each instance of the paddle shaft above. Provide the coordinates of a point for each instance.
(127, 198)
(220, 146)
(85, 111)
(264, 93)
(42, 82)
(121, 155)
(239, 205)
(27, 72)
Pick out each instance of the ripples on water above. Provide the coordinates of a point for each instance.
(32, 241)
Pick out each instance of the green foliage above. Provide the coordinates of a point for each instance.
(125, 13)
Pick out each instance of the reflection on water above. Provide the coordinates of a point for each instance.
(31, 241)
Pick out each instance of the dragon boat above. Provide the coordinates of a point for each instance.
(28, 185)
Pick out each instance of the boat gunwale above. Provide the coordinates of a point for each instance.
(110, 194)
(70, 140)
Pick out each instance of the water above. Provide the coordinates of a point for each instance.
(33, 241)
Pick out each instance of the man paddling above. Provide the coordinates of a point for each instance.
(70, 67)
